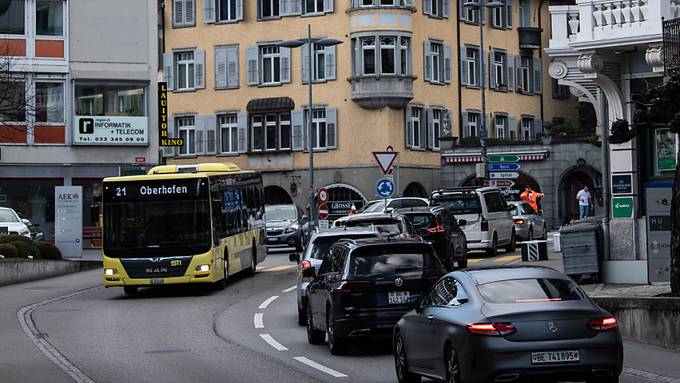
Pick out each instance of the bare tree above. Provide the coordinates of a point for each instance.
(17, 107)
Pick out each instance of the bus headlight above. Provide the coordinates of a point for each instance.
(110, 271)
(203, 268)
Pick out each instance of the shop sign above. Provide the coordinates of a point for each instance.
(339, 207)
(164, 138)
(68, 220)
(664, 142)
(622, 184)
(622, 207)
(110, 130)
(658, 197)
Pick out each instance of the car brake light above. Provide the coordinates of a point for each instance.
(484, 226)
(305, 265)
(518, 221)
(353, 286)
(491, 329)
(438, 229)
(603, 324)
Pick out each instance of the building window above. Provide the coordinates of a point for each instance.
(319, 133)
(472, 124)
(499, 69)
(501, 126)
(13, 101)
(436, 8)
(559, 92)
(436, 58)
(524, 13)
(12, 21)
(470, 14)
(49, 102)
(271, 131)
(270, 64)
(229, 132)
(284, 131)
(393, 57)
(404, 55)
(110, 100)
(184, 13)
(226, 10)
(313, 6)
(366, 3)
(49, 17)
(524, 75)
(368, 54)
(184, 70)
(319, 62)
(470, 66)
(186, 129)
(436, 127)
(269, 8)
(416, 120)
(527, 128)
(387, 54)
(501, 17)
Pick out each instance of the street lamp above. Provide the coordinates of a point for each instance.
(479, 5)
(325, 42)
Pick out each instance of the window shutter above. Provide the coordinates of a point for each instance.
(510, 70)
(209, 11)
(538, 79)
(259, 9)
(426, 60)
(242, 132)
(199, 142)
(331, 128)
(425, 127)
(328, 6)
(446, 8)
(253, 72)
(169, 151)
(536, 128)
(461, 10)
(427, 7)
(430, 130)
(285, 64)
(478, 68)
(296, 7)
(178, 13)
(211, 134)
(199, 69)
(232, 67)
(520, 75)
(168, 69)
(284, 7)
(305, 63)
(297, 122)
(492, 71)
(409, 126)
(464, 124)
(463, 67)
(447, 64)
(189, 12)
(508, 13)
(221, 67)
(239, 9)
(512, 127)
(330, 62)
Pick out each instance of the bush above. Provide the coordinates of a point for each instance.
(48, 250)
(27, 249)
(9, 238)
(9, 250)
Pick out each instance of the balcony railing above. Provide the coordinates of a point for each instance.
(604, 23)
(374, 92)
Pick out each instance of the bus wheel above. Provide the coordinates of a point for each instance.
(130, 290)
(222, 283)
(253, 262)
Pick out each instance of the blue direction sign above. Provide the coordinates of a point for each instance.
(384, 188)
(503, 166)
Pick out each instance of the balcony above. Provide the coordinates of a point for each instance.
(595, 24)
(375, 92)
(529, 38)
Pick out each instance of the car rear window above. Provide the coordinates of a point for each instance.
(385, 226)
(530, 290)
(322, 245)
(391, 260)
(461, 204)
(403, 203)
(421, 221)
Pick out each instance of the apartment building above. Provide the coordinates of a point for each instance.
(79, 81)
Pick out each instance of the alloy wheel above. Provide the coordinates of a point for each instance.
(400, 359)
(452, 367)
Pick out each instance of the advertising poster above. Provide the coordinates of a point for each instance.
(664, 142)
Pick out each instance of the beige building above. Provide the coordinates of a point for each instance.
(236, 96)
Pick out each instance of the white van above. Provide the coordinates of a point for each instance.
(483, 214)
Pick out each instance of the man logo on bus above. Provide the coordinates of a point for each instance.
(86, 126)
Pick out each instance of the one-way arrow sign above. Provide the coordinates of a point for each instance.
(385, 160)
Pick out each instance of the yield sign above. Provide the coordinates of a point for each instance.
(385, 160)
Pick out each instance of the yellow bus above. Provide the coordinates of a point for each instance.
(182, 224)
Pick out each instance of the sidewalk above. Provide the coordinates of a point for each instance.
(89, 255)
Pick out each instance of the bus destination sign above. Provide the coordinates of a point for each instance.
(156, 190)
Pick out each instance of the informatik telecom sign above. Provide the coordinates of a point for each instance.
(110, 130)
(164, 134)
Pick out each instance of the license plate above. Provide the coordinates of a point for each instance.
(554, 357)
(398, 297)
(157, 281)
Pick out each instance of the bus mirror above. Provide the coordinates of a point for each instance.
(294, 257)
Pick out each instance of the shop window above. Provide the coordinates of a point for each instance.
(49, 17)
(110, 100)
(49, 102)
(12, 20)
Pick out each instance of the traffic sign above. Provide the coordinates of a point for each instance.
(504, 175)
(623, 207)
(503, 158)
(323, 211)
(384, 188)
(501, 183)
(503, 166)
(385, 159)
(323, 195)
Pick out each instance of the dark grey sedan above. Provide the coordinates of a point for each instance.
(505, 325)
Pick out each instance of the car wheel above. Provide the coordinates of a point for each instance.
(452, 366)
(314, 336)
(130, 290)
(493, 251)
(513, 242)
(401, 364)
(253, 262)
(336, 344)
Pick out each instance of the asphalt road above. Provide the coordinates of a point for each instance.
(70, 329)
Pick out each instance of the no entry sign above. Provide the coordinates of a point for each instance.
(323, 211)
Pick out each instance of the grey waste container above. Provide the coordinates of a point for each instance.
(581, 249)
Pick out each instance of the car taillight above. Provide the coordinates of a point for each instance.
(352, 286)
(491, 329)
(305, 265)
(603, 324)
(484, 226)
(518, 221)
(438, 229)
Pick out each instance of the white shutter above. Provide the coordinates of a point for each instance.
(464, 124)
(328, 6)
(463, 67)
(220, 67)
(297, 122)
(242, 131)
(211, 134)
(492, 71)
(446, 8)
(189, 12)
(430, 129)
(178, 13)
(510, 59)
(508, 13)
(425, 118)
(447, 64)
(253, 70)
(296, 7)
(427, 7)
(199, 69)
(330, 62)
(409, 126)
(239, 10)
(426, 60)
(538, 76)
(283, 7)
(305, 63)
(520, 75)
(331, 128)
(462, 14)
(169, 69)
(232, 67)
(285, 64)
(169, 151)
(209, 11)
(199, 140)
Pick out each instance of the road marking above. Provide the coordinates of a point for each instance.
(475, 260)
(257, 320)
(652, 377)
(272, 342)
(267, 302)
(280, 268)
(507, 258)
(24, 315)
(319, 367)
(291, 288)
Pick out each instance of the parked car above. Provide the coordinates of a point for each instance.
(317, 251)
(365, 286)
(284, 224)
(385, 206)
(486, 213)
(528, 224)
(385, 224)
(10, 223)
(438, 226)
(506, 325)
(36, 233)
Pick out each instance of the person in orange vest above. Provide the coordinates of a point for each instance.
(531, 197)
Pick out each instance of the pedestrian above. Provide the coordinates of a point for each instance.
(531, 197)
(352, 210)
(583, 197)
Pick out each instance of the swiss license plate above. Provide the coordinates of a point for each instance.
(554, 357)
(398, 297)
(157, 281)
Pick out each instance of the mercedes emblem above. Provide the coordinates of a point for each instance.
(398, 282)
(552, 326)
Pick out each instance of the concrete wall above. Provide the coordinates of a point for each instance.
(23, 270)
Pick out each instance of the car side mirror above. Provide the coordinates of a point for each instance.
(294, 257)
(26, 222)
(462, 222)
(511, 208)
(309, 272)
(304, 218)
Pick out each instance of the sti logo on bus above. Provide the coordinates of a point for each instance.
(86, 126)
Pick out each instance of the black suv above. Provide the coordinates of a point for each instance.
(438, 226)
(364, 286)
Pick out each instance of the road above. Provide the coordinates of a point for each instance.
(70, 329)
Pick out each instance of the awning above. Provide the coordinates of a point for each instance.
(270, 104)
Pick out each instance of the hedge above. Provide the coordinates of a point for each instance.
(8, 250)
(48, 250)
(17, 246)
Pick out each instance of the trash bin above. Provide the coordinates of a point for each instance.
(581, 246)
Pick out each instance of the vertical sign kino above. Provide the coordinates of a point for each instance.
(164, 137)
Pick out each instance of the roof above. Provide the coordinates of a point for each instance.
(503, 273)
(383, 241)
(199, 170)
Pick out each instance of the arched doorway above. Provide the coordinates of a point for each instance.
(414, 189)
(276, 195)
(341, 198)
(572, 181)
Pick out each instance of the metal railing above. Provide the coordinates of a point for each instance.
(671, 47)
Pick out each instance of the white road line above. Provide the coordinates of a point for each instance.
(650, 376)
(257, 320)
(289, 289)
(267, 302)
(272, 342)
(319, 367)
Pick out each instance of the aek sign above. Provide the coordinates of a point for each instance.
(68, 220)
(110, 130)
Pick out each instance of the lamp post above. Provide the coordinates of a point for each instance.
(480, 5)
(313, 216)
